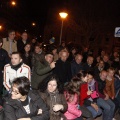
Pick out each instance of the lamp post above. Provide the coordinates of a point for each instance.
(63, 15)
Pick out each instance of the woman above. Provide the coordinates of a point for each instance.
(24, 104)
(27, 55)
(85, 95)
(52, 93)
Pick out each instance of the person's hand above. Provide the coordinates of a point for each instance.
(39, 111)
(57, 107)
(106, 97)
(94, 105)
(89, 92)
(52, 65)
(113, 98)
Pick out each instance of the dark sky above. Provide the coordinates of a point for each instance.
(28, 11)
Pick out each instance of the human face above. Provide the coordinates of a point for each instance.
(52, 86)
(103, 75)
(90, 60)
(12, 35)
(54, 51)
(15, 59)
(78, 59)
(111, 73)
(105, 58)
(37, 49)
(64, 56)
(49, 58)
(15, 92)
(90, 78)
(85, 79)
(27, 48)
(101, 64)
(24, 36)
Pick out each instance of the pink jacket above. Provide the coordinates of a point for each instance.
(73, 112)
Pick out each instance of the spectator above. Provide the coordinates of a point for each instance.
(63, 67)
(22, 42)
(42, 69)
(16, 68)
(51, 92)
(24, 104)
(88, 66)
(104, 102)
(27, 55)
(4, 59)
(9, 43)
(77, 65)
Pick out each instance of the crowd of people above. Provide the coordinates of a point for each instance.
(57, 82)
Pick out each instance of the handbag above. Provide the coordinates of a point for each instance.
(94, 95)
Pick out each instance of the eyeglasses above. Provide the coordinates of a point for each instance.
(15, 92)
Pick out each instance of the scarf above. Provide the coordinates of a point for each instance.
(16, 67)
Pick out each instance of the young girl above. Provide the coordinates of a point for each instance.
(71, 94)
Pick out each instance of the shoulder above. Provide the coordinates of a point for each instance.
(25, 66)
(7, 66)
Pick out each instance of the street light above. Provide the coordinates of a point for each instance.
(0, 27)
(63, 15)
(13, 3)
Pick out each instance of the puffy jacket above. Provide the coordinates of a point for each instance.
(73, 112)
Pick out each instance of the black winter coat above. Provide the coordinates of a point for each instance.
(14, 110)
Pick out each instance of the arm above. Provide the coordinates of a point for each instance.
(9, 112)
(6, 79)
(40, 69)
(73, 110)
(45, 111)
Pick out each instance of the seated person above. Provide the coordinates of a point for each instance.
(24, 104)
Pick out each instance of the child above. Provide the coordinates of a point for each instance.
(71, 95)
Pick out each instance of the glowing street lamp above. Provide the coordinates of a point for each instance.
(63, 15)
(33, 24)
(0, 27)
(13, 3)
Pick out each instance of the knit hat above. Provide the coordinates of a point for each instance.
(52, 39)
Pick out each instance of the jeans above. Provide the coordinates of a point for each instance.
(94, 112)
(108, 108)
(86, 113)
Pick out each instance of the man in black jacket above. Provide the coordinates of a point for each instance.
(4, 59)
(63, 67)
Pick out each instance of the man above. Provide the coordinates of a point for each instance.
(9, 43)
(77, 65)
(4, 59)
(15, 69)
(38, 55)
(88, 66)
(63, 67)
(104, 101)
(42, 69)
(22, 42)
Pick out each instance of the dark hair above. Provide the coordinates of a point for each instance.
(13, 53)
(43, 85)
(10, 31)
(81, 74)
(23, 85)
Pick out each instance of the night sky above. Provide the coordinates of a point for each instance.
(25, 12)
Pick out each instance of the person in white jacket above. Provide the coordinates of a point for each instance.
(16, 68)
